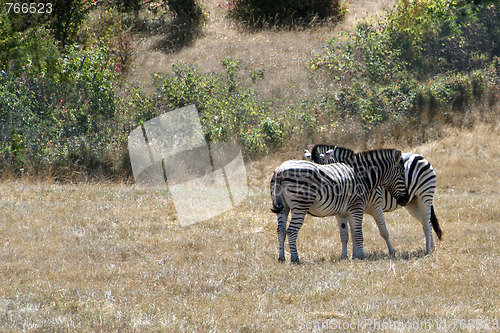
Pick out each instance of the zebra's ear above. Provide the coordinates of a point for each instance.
(397, 156)
(308, 155)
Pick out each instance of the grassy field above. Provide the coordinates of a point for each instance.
(112, 257)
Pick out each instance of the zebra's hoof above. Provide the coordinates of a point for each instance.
(280, 259)
(359, 256)
(296, 261)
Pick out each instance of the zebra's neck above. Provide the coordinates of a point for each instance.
(369, 174)
(371, 165)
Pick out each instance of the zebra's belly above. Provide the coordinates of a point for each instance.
(390, 203)
(319, 210)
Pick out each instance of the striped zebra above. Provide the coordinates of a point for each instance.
(421, 183)
(343, 189)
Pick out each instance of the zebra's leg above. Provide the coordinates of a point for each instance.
(427, 226)
(282, 218)
(378, 215)
(422, 212)
(344, 234)
(296, 221)
(356, 223)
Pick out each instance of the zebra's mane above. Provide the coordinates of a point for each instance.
(376, 154)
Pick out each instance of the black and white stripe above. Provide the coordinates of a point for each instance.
(340, 189)
(420, 180)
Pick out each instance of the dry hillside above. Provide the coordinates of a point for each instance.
(282, 55)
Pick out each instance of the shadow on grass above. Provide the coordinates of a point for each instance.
(409, 255)
(178, 35)
(404, 255)
(372, 256)
(174, 34)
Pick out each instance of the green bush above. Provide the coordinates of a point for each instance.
(227, 105)
(186, 10)
(262, 13)
(66, 113)
(49, 107)
(428, 55)
(420, 38)
(272, 132)
(62, 17)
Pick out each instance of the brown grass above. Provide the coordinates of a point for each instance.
(105, 257)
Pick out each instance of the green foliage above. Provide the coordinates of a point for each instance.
(424, 37)
(272, 132)
(427, 55)
(34, 47)
(130, 5)
(90, 78)
(66, 18)
(48, 108)
(262, 13)
(228, 107)
(58, 98)
(231, 67)
(62, 17)
(65, 112)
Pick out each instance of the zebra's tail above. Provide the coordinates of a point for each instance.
(276, 194)
(435, 223)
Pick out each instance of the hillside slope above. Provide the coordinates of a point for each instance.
(282, 55)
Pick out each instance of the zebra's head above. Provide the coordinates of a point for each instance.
(394, 179)
(326, 154)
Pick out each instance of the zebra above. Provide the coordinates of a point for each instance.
(421, 183)
(343, 189)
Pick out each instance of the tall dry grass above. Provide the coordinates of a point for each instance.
(112, 257)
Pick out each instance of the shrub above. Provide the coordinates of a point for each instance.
(61, 113)
(62, 17)
(272, 132)
(186, 10)
(228, 107)
(48, 108)
(284, 13)
(428, 55)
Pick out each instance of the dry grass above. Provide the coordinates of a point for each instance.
(106, 257)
